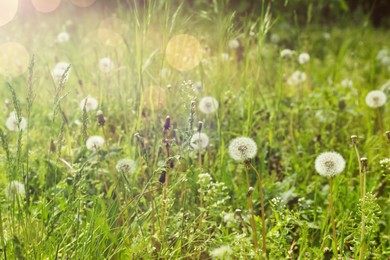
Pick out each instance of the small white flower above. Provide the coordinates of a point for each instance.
(59, 71)
(14, 189)
(296, 78)
(224, 56)
(106, 65)
(125, 166)
(222, 252)
(90, 104)
(229, 218)
(208, 105)
(346, 83)
(13, 123)
(326, 35)
(376, 98)
(63, 37)
(329, 164)
(242, 149)
(286, 53)
(234, 44)
(303, 58)
(381, 54)
(199, 141)
(204, 179)
(94, 142)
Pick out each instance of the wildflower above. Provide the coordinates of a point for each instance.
(376, 98)
(95, 142)
(286, 53)
(303, 58)
(61, 71)
(242, 149)
(63, 37)
(13, 123)
(199, 141)
(222, 252)
(234, 44)
(125, 166)
(106, 65)
(326, 35)
(14, 189)
(89, 103)
(296, 78)
(329, 164)
(204, 179)
(224, 56)
(346, 83)
(208, 105)
(382, 54)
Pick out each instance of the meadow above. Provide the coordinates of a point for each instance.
(193, 130)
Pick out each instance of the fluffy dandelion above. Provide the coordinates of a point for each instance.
(303, 58)
(234, 44)
(242, 149)
(125, 166)
(63, 37)
(106, 65)
(199, 141)
(296, 78)
(286, 53)
(13, 123)
(60, 70)
(208, 105)
(14, 189)
(329, 164)
(346, 83)
(95, 142)
(222, 252)
(376, 98)
(90, 104)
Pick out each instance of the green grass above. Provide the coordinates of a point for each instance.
(77, 206)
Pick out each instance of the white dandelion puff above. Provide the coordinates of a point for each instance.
(13, 123)
(14, 189)
(94, 142)
(63, 37)
(296, 78)
(106, 65)
(242, 149)
(126, 166)
(90, 104)
(208, 105)
(303, 58)
(234, 44)
(329, 164)
(222, 252)
(376, 98)
(61, 70)
(346, 83)
(199, 141)
(286, 53)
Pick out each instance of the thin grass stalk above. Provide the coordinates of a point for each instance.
(363, 231)
(251, 212)
(332, 218)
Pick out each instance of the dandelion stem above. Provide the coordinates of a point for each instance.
(263, 231)
(379, 117)
(251, 212)
(363, 231)
(332, 217)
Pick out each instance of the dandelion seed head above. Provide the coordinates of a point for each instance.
(199, 141)
(95, 142)
(296, 78)
(14, 189)
(242, 149)
(126, 166)
(90, 104)
(106, 65)
(234, 44)
(63, 37)
(329, 164)
(12, 123)
(286, 53)
(59, 71)
(376, 98)
(303, 58)
(346, 83)
(208, 105)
